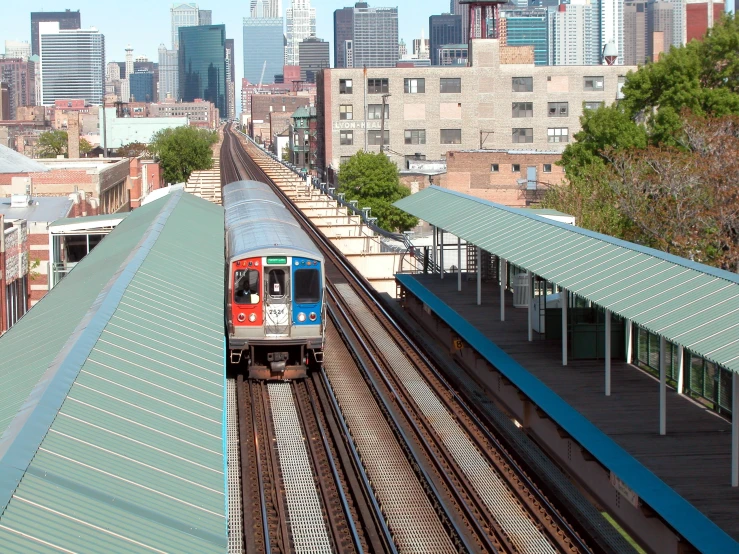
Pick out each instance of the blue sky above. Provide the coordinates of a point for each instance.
(146, 23)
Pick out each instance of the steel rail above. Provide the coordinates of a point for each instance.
(335, 473)
(482, 535)
(396, 326)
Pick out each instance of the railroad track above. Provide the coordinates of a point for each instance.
(451, 486)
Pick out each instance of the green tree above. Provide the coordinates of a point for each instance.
(52, 144)
(85, 146)
(183, 150)
(372, 180)
(286, 153)
(702, 77)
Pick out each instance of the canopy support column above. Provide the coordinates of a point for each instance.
(530, 277)
(436, 241)
(503, 270)
(459, 264)
(564, 296)
(735, 431)
(681, 369)
(441, 252)
(662, 387)
(608, 353)
(479, 276)
(629, 341)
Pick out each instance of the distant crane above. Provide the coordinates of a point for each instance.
(264, 66)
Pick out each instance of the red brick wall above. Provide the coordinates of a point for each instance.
(471, 173)
(696, 16)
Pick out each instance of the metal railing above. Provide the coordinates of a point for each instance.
(422, 260)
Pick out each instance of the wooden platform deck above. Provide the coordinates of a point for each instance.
(694, 457)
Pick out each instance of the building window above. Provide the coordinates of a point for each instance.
(494, 168)
(415, 136)
(523, 109)
(593, 83)
(451, 136)
(377, 86)
(559, 109)
(516, 168)
(450, 86)
(373, 138)
(374, 111)
(558, 134)
(344, 159)
(345, 86)
(523, 135)
(415, 86)
(523, 84)
(547, 168)
(592, 105)
(346, 111)
(346, 138)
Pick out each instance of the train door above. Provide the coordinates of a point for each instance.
(277, 301)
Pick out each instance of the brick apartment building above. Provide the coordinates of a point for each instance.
(501, 102)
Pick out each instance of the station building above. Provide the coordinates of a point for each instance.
(500, 101)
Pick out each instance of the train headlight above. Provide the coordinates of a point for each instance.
(301, 317)
(241, 317)
(312, 316)
(252, 317)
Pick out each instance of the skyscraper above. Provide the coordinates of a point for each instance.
(462, 9)
(575, 34)
(700, 16)
(168, 82)
(17, 49)
(67, 20)
(231, 77)
(266, 8)
(301, 24)
(183, 15)
(205, 17)
(343, 32)
(375, 36)
(443, 29)
(635, 32)
(141, 85)
(264, 49)
(612, 26)
(202, 65)
(72, 64)
(20, 76)
(527, 26)
(314, 56)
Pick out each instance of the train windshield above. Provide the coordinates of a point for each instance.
(246, 286)
(307, 286)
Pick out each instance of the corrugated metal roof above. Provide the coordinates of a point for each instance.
(13, 162)
(90, 221)
(686, 302)
(112, 393)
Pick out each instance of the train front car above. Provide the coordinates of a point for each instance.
(275, 286)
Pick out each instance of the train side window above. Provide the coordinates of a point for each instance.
(246, 290)
(307, 286)
(276, 283)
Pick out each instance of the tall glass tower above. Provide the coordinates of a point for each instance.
(202, 65)
(264, 49)
(528, 26)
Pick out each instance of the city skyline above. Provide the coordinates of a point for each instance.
(146, 34)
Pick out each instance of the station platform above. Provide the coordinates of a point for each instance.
(683, 476)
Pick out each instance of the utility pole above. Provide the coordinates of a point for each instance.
(382, 124)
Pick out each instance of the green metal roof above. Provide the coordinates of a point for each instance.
(686, 302)
(112, 395)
